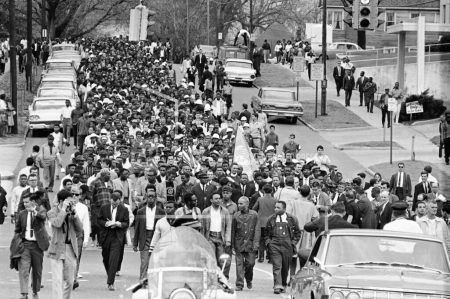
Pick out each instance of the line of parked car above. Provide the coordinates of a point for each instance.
(58, 84)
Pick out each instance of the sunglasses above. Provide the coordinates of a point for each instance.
(76, 194)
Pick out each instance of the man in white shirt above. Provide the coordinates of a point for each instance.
(15, 196)
(83, 239)
(165, 224)
(26, 170)
(66, 119)
(435, 226)
(400, 222)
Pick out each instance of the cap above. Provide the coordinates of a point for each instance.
(191, 84)
(270, 148)
(400, 205)
(202, 175)
(215, 135)
(243, 118)
(227, 188)
(104, 170)
(246, 125)
(103, 131)
(229, 129)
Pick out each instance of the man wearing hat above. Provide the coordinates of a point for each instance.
(400, 221)
(203, 191)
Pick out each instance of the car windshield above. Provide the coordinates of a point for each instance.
(279, 95)
(239, 64)
(49, 104)
(182, 254)
(67, 84)
(386, 251)
(63, 47)
(59, 64)
(53, 92)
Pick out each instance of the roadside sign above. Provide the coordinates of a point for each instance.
(414, 107)
(392, 104)
(316, 71)
(299, 64)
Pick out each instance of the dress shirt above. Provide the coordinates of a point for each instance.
(29, 232)
(400, 180)
(113, 214)
(216, 220)
(150, 217)
(83, 213)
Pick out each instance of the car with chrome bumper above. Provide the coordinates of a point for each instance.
(278, 102)
(240, 71)
(374, 264)
(45, 112)
(183, 266)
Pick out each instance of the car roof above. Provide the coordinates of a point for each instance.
(58, 78)
(52, 98)
(275, 89)
(379, 233)
(59, 60)
(238, 60)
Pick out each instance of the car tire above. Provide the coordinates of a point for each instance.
(30, 133)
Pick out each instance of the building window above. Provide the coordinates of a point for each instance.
(390, 19)
(334, 18)
(415, 15)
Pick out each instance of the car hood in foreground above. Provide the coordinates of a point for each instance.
(389, 278)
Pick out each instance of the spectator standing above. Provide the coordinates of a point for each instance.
(444, 128)
(400, 183)
(200, 62)
(435, 226)
(77, 113)
(267, 51)
(369, 94)
(385, 113)
(310, 59)
(338, 75)
(272, 138)
(348, 85)
(360, 84)
(49, 157)
(66, 120)
(291, 146)
(397, 94)
(278, 51)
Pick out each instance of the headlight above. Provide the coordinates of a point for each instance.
(182, 294)
(337, 295)
(353, 295)
(34, 117)
(252, 76)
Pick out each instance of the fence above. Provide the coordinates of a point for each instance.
(388, 55)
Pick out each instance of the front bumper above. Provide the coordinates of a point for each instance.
(238, 79)
(283, 113)
(43, 125)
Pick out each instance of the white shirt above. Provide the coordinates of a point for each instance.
(66, 112)
(25, 170)
(83, 213)
(28, 229)
(57, 137)
(400, 179)
(281, 218)
(216, 221)
(403, 225)
(15, 198)
(113, 214)
(150, 218)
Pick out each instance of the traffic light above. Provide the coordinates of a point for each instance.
(365, 14)
(348, 8)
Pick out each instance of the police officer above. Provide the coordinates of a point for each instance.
(400, 220)
(283, 234)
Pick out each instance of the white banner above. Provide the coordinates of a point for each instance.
(243, 155)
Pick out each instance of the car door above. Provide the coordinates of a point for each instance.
(305, 281)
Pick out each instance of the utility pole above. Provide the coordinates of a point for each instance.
(187, 28)
(323, 108)
(13, 64)
(29, 66)
(207, 22)
(218, 21)
(43, 21)
(251, 30)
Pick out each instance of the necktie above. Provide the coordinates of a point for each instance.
(31, 224)
(425, 188)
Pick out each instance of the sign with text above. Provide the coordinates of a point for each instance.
(316, 71)
(414, 107)
(392, 104)
(299, 64)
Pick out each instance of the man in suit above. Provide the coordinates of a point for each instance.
(114, 220)
(384, 210)
(30, 224)
(338, 75)
(126, 185)
(423, 187)
(36, 51)
(63, 251)
(247, 188)
(320, 198)
(401, 183)
(360, 83)
(146, 219)
(32, 189)
(335, 221)
(348, 85)
(203, 191)
(200, 62)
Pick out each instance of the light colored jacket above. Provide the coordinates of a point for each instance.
(442, 230)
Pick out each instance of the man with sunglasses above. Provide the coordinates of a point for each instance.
(83, 237)
(401, 182)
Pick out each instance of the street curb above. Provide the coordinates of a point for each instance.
(377, 148)
(425, 122)
(333, 130)
(308, 125)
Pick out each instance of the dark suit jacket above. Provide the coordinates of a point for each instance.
(121, 215)
(360, 83)
(336, 75)
(38, 226)
(334, 222)
(349, 83)
(200, 61)
(385, 216)
(250, 189)
(406, 183)
(140, 230)
(203, 197)
(418, 189)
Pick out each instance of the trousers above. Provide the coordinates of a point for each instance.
(49, 174)
(447, 149)
(385, 113)
(31, 258)
(262, 245)
(218, 246)
(281, 257)
(145, 255)
(245, 261)
(348, 96)
(110, 253)
(369, 102)
(361, 99)
(62, 274)
(80, 250)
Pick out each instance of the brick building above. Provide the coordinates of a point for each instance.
(397, 11)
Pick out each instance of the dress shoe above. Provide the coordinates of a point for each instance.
(117, 273)
(75, 285)
(24, 296)
(111, 287)
(238, 289)
(35, 296)
(283, 290)
(277, 291)
(249, 285)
